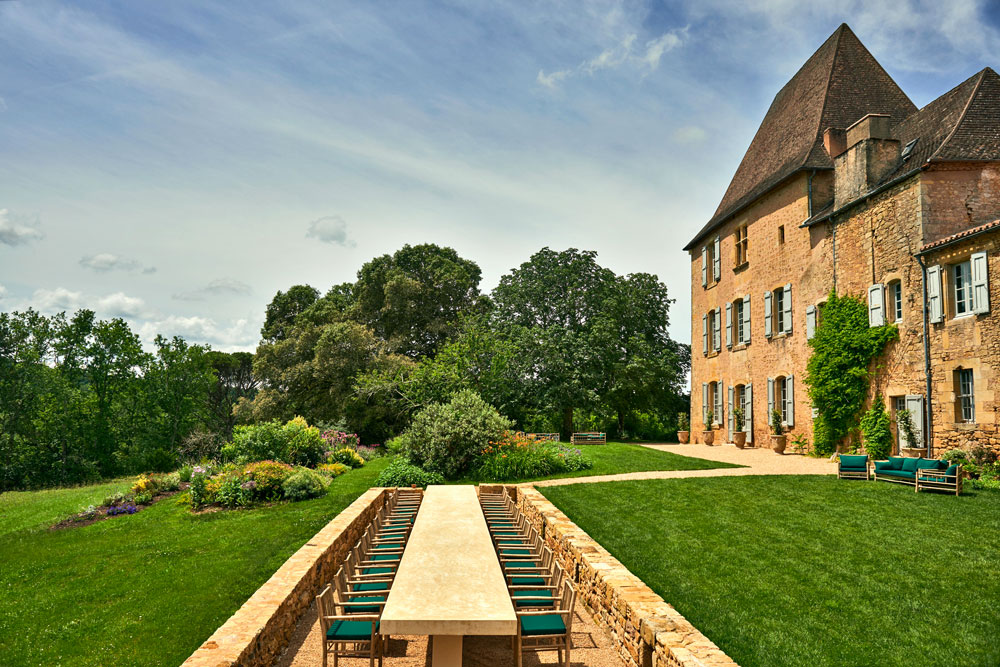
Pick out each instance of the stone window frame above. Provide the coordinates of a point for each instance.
(894, 300)
(741, 257)
(777, 312)
(739, 332)
(965, 395)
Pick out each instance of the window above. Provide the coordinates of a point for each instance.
(781, 235)
(779, 308)
(711, 394)
(717, 401)
(966, 402)
(778, 311)
(741, 245)
(896, 301)
(781, 398)
(962, 278)
(740, 326)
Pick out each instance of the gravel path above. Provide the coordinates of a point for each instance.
(758, 461)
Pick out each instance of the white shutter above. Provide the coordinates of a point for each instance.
(717, 260)
(770, 399)
(704, 334)
(704, 266)
(810, 321)
(789, 401)
(704, 402)
(748, 411)
(915, 404)
(746, 319)
(980, 283)
(935, 306)
(730, 417)
(767, 316)
(786, 315)
(876, 305)
(729, 325)
(717, 330)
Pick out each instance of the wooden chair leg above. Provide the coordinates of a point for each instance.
(517, 651)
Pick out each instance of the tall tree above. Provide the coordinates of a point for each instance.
(283, 310)
(234, 379)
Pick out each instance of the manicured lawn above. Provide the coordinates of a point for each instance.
(143, 589)
(810, 570)
(619, 457)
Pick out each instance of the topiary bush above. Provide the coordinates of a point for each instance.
(303, 484)
(446, 437)
(875, 426)
(403, 473)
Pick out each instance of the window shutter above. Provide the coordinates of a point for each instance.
(704, 402)
(980, 283)
(876, 305)
(718, 403)
(786, 315)
(746, 319)
(717, 330)
(704, 266)
(729, 325)
(704, 334)
(730, 417)
(934, 305)
(790, 401)
(810, 321)
(748, 411)
(915, 404)
(767, 317)
(770, 399)
(717, 259)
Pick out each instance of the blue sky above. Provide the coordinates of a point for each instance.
(177, 163)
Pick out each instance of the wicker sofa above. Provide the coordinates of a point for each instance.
(922, 474)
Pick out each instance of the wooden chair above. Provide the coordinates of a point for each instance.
(344, 634)
(547, 629)
(853, 466)
(589, 438)
(940, 480)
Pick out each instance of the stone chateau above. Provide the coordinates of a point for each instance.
(847, 186)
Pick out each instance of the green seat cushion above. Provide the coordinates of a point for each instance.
(354, 608)
(902, 474)
(372, 586)
(385, 557)
(881, 466)
(351, 630)
(518, 564)
(850, 469)
(510, 541)
(543, 624)
(848, 461)
(910, 465)
(532, 603)
(515, 552)
(897, 462)
(390, 545)
(927, 464)
(952, 470)
(377, 570)
(527, 581)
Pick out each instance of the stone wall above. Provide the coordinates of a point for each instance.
(646, 631)
(261, 628)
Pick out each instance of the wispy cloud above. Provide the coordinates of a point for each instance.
(56, 300)
(330, 229)
(3, 291)
(120, 304)
(105, 261)
(625, 53)
(239, 335)
(219, 287)
(62, 299)
(14, 234)
(690, 134)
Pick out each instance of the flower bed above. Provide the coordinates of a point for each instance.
(145, 490)
(520, 456)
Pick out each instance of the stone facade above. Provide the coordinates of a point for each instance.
(259, 630)
(646, 631)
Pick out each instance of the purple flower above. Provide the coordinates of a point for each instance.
(198, 470)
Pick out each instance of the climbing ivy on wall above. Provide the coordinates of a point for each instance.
(839, 370)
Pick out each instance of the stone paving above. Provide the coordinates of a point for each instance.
(758, 461)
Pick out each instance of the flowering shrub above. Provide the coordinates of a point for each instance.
(304, 484)
(332, 470)
(185, 472)
(118, 498)
(369, 452)
(518, 456)
(335, 439)
(295, 443)
(267, 478)
(346, 456)
(143, 498)
(403, 473)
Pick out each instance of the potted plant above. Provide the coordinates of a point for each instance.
(778, 437)
(708, 435)
(739, 435)
(683, 424)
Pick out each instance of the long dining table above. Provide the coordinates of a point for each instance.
(449, 583)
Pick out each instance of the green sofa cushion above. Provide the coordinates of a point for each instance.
(853, 462)
(351, 630)
(850, 469)
(952, 469)
(882, 466)
(896, 462)
(910, 465)
(543, 624)
(927, 464)
(902, 474)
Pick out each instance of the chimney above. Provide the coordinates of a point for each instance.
(870, 155)
(834, 141)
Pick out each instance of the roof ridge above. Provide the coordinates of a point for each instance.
(961, 116)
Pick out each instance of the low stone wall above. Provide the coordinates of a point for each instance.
(647, 631)
(261, 628)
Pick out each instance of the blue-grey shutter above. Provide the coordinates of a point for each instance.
(935, 307)
(717, 260)
(704, 334)
(876, 305)
(748, 411)
(789, 401)
(704, 266)
(810, 321)
(786, 314)
(729, 325)
(746, 319)
(704, 402)
(717, 330)
(767, 319)
(730, 418)
(980, 283)
(770, 399)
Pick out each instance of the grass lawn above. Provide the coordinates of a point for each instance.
(143, 589)
(619, 457)
(810, 570)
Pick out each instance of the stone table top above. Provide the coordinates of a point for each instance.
(449, 580)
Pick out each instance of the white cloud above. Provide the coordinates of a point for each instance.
(657, 47)
(106, 261)
(240, 335)
(219, 287)
(624, 53)
(120, 305)
(14, 234)
(551, 80)
(330, 229)
(690, 134)
(3, 291)
(56, 300)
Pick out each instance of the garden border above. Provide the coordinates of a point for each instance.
(261, 628)
(646, 631)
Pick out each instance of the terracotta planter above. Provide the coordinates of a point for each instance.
(708, 437)
(778, 443)
(740, 439)
(683, 437)
(912, 453)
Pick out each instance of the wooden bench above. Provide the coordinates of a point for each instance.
(544, 437)
(589, 439)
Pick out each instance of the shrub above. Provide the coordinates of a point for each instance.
(683, 421)
(517, 456)
(185, 472)
(268, 478)
(303, 484)
(904, 421)
(776, 425)
(875, 426)
(118, 498)
(200, 494)
(295, 443)
(573, 459)
(335, 439)
(403, 473)
(345, 456)
(143, 498)
(332, 470)
(235, 491)
(445, 437)
(369, 452)
(171, 482)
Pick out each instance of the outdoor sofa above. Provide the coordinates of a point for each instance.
(920, 473)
